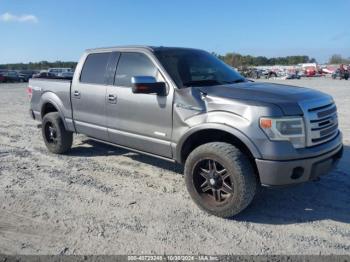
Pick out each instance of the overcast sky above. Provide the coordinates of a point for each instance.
(34, 30)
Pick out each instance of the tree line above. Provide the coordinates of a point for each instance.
(42, 65)
(338, 59)
(233, 59)
(238, 60)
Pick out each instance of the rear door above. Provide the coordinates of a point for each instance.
(139, 121)
(88, 95)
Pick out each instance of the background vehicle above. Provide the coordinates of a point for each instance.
(67, 75)
(269, 73)
(12, 76)
(44, 74)
(251, 72)
(26, 74)
(310, 72)
(341, 74)
(2, 78)
(185, 105)
(59, 71)
(292, 76)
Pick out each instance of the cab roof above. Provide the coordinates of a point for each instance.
(140, 47)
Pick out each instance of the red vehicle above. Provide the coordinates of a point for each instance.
(2, 78)
(310, 71)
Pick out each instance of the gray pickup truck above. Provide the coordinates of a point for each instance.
(186, 106)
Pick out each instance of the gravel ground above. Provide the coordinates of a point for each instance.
(104, 200)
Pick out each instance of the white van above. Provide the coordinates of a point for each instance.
(59, 71)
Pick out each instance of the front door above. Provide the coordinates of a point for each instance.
(139, 121)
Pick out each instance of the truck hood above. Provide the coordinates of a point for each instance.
(286, 97)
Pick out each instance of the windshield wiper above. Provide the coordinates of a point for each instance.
(206, 82)
(212, 82)
(241, 80)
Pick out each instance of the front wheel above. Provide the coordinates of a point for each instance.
(220, 179)
(57, 139)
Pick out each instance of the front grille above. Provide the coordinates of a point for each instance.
(321, 122)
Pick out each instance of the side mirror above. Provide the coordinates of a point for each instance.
(148, 85)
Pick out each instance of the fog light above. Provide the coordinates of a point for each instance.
(297, 172)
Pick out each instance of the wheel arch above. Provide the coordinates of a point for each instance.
(51, 103)
(214, 133)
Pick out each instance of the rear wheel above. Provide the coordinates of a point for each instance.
(220, 179)
(57, 139)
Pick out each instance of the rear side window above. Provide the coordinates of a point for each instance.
(133, 64)
(94, 69)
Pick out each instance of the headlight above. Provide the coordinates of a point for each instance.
(285, 129)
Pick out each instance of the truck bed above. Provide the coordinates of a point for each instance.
(55, 91)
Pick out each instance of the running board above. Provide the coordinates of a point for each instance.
(133, 150)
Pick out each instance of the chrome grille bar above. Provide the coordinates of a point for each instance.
(321, 121)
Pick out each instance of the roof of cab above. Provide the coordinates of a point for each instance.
(144, 47)
(119, 47)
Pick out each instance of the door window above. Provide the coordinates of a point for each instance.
(95, 67)
(134, 64)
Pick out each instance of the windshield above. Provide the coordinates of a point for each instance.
(189, 67)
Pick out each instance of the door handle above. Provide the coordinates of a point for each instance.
(76, 94)
(112, 99)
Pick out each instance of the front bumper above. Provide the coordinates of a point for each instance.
(280, 173)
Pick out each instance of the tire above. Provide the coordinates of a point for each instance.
(239, 183)
(57, 139)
